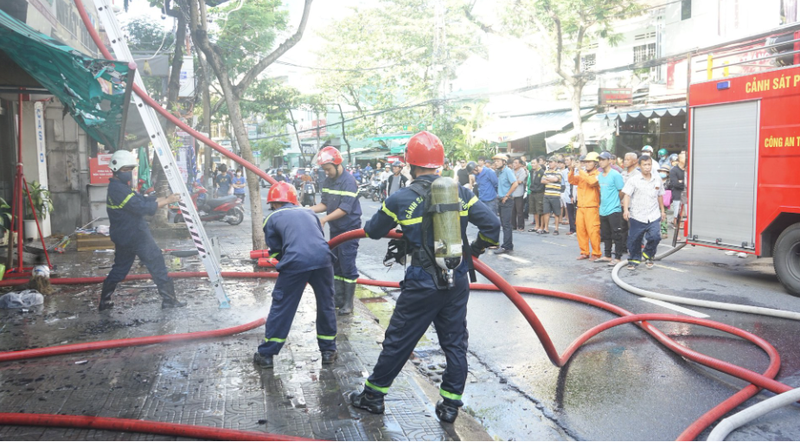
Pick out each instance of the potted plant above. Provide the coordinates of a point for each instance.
(41, 203)
(5, 221)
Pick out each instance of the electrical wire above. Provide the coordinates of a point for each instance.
(163, 40)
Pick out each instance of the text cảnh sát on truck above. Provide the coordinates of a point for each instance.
(743, 157)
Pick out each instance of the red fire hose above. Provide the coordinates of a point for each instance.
(117, 424)
(757, 381)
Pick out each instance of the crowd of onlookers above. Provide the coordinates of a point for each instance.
(602, 199)
(617, 202)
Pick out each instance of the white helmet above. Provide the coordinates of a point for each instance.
(122, 158)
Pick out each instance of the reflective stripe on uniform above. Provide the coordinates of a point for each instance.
(408, 222)
(339, 192)
(278, 340)
(383, 390)
(342, 278)
(471, 202)
(276, 211)
(326, 338)
(481, 236)
(448, 395)
(391, 214)
(122, 204)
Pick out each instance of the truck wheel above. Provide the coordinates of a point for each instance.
(786, 259)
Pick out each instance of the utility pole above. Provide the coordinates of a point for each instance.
(439, 55)
(318, 137)
(208, 161)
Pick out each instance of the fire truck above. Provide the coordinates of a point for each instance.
(743, 159)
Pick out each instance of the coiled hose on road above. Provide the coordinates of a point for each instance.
(757, 381)
(743, 308)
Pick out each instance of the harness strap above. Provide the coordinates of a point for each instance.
(441, 208)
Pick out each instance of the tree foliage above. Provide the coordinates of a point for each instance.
(238, 49)
(246, 32)
(389, 56)
(145, 35)
(561, 30)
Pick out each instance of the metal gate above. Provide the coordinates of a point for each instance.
(723, 175)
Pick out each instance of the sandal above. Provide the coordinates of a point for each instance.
(555, 232)
(543, 232)
(533, 230)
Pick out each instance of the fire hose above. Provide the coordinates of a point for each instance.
(757, 381)
(775, 313)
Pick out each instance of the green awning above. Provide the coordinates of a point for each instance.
(95, 91)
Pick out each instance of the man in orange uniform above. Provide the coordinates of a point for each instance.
(588, 218)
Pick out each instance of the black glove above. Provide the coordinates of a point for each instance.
(479, 246)
(477, 249)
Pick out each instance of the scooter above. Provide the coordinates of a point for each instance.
(227, 209)
(370, 190)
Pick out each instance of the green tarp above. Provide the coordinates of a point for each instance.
(96, 92)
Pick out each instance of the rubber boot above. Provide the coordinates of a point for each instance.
(338, 293)
(349, 294)
(329, 357)
(105, 299)
(446, 412)
(168, 298)
(368, 401)
(263, 361)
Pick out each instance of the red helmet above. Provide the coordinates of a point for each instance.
(329, 154)
(425, 150)
(282, 192)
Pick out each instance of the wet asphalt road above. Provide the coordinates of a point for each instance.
(622, 385)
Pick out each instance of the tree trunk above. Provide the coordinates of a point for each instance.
(173, 88)
(577, 122)
(232, 95)
(240, 131)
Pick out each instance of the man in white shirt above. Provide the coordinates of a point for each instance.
(643, 207)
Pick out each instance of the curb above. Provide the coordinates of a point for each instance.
(466, 427)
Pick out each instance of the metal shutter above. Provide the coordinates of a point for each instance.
(724, 161)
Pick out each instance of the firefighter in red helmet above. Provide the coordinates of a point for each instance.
(434, 289)
(294, 236)
(342, 210)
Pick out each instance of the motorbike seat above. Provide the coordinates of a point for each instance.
(215, 202)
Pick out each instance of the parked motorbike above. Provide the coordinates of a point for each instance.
(370, 190)
(227, 209)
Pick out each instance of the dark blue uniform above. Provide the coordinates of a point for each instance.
(342, 193)
(420, 303)
(294, 236)
(131, 236)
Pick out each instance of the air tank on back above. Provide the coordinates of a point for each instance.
(446, 223)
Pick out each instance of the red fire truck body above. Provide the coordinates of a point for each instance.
(743, 167)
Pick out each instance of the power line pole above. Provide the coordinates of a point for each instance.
(208, 162)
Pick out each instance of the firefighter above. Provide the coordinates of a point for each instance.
(343, 213)
(294, 236)
(130, 234)
(426, 295)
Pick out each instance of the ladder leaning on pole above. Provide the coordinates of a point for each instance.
(161, 145)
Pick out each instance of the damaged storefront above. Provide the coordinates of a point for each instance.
(60, 108)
